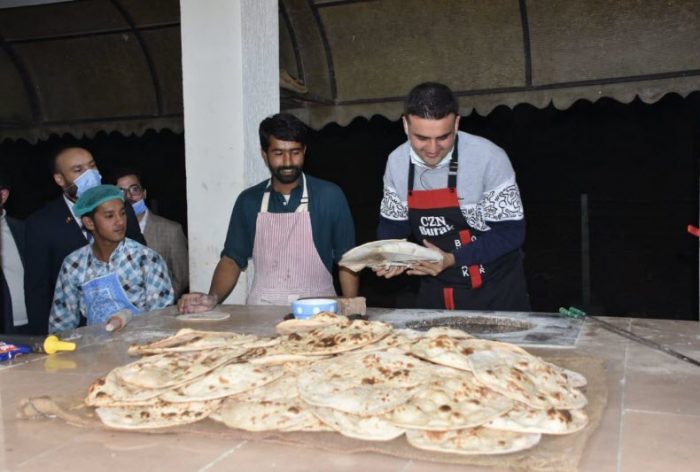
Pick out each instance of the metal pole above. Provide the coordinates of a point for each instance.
(585, 254)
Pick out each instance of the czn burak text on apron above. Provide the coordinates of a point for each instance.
(435, 215)
(287, 264)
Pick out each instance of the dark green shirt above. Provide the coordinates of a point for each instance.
(331, 222)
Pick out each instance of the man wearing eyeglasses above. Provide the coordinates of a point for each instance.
(163, 235)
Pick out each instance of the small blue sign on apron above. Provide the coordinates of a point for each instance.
(103, 297)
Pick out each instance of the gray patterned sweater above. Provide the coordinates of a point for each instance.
(486, 188)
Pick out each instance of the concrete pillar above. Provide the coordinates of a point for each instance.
(230, 75)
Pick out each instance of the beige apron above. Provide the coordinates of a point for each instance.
(287, 265)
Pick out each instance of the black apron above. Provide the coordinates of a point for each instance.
(435, 215)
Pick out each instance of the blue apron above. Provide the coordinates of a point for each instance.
(103, 297)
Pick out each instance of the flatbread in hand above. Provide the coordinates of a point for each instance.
(386, 253)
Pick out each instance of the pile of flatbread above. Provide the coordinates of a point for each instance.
(443, 389)
(386, 253)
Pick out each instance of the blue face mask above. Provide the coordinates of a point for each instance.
(139, 207)
(87, 180)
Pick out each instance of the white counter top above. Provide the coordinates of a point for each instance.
(651, 422)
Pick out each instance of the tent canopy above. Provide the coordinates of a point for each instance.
(360, 58)
(89, 66)
(115, 65)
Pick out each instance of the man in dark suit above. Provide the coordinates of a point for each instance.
(53, 232)
(14, 311)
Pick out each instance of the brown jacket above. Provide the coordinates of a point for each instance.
(167, 238)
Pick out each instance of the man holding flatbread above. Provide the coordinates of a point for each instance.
(454, 192)
(112, 273)
(292, 225)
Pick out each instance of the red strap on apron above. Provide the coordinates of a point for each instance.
(465, 237)
(448, 295)
(429, 199)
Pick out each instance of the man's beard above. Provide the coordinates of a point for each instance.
(71, 191)
(286, 178)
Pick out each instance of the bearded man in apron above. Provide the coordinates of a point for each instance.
(293, 226)
(112, 272)
(456, 193)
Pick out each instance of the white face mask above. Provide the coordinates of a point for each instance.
(87, 180)
(416, 159)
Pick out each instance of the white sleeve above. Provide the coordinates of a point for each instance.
(392, 207)
(503, 203)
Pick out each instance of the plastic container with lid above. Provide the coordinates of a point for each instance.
(308, 307)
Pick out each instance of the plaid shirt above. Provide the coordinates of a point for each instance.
(141, 271)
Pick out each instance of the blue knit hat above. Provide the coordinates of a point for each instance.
(96, 196)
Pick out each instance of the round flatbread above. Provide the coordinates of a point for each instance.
(204, 316)
(191, 340)
(335, 339)
(454, 352)
(223, 381)
(527, 379)
(283, 389)
(320, 320)
(282, 393)
(276, 355)
(472, 441)
(109, 391)
(160, 415)
(475, 345)
(386, 253)
(453, 400)
(399, 339)
(174, 368)
(368, 428)
(363, 383)
(266, 416)
(524, 419)
(436, 331)
(575, 379)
